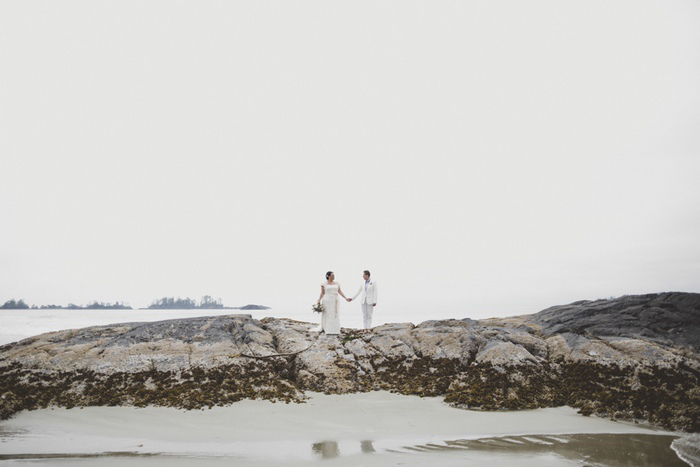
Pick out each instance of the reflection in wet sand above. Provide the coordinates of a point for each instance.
(640, 450)
(367, 447)
(327, 449)
(610, 450)
(330, 449)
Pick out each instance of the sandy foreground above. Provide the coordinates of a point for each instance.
(370, 429)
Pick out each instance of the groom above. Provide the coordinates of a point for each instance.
(368, 300)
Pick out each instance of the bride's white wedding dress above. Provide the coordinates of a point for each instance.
(330, 320)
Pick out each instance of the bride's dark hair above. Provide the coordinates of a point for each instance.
(328, 274)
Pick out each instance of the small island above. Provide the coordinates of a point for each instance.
(95, 305)
(207, 302)
(253, 307)
(165, 303)
(170, 303)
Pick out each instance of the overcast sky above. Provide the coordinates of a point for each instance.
(481, 158)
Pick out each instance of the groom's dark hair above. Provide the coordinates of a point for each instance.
(328, 274)
(367, 272)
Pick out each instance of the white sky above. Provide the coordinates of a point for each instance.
(481, 158)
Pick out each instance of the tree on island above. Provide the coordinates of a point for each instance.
(107, 306)
(208, 302)
(99, 306)
(170, 303)
(15, 305)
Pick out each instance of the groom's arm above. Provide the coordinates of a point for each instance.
(358, 293)
(376, 294)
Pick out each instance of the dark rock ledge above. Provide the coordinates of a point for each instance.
(632, 358)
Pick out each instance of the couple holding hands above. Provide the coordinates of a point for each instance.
(330, 320)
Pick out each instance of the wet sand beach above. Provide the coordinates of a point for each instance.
(371, 429)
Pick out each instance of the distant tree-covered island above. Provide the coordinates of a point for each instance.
(207, 302)
(21, 305)
(165, 303)
(15, 305)
(101, 306)
(170, 303)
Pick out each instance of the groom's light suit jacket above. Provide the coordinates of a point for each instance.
(368, 296)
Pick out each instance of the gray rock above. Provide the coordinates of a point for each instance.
(671, 319)
(634, 357)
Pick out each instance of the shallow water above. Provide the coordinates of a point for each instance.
(591, 449)
(371, 429)
(613, 450)
(688, 449)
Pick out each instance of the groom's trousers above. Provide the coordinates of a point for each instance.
(367, 310)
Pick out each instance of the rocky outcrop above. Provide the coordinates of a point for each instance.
(628, 358)
(670, 319)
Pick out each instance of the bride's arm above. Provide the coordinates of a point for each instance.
(340, 292)
(323, 291)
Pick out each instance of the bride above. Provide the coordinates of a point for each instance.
(330, 321)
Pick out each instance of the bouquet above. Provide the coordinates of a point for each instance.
(317, 308)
